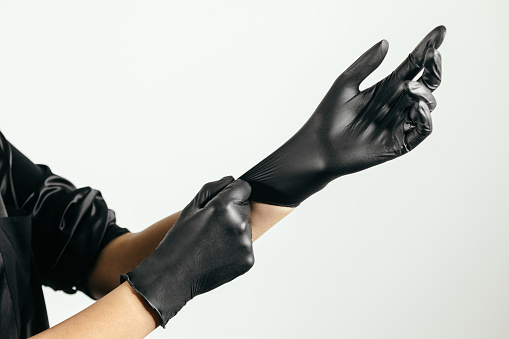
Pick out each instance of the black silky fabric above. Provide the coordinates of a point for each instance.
(70, 227)
(52, 236)
(22, 307)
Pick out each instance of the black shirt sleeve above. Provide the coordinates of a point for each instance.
(70, 226)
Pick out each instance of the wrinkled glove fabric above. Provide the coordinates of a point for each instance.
(352, 130)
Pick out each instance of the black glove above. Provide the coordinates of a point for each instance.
(209, 245)
(353, 130)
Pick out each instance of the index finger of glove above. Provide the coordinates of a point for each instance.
(210, 190)
(415, 60)
(432, 75)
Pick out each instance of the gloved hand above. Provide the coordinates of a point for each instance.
(209, 245)
(352, 130)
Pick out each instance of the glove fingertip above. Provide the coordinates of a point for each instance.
(366, 64)
(384, 46)
(441, 32)
(244, 187)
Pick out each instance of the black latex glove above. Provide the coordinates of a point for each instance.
(209, 245)
(352, 130)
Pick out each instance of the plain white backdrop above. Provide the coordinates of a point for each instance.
(148, 100)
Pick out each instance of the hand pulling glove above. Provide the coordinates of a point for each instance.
(209, 245)
(352, 130)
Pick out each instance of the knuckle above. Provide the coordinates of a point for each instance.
(246, 229)
(221, 202)
(242, 225)
(405, 85)
(413, 86)
(423, 109)
(247, 243)
(249, 261)
(431, 82)
(245, 207)
(238, 226)
(430, 129)
(412, 60)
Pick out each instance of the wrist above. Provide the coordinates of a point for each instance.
(155, 281)
(121, 313)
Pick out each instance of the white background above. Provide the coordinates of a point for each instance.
(148, 100)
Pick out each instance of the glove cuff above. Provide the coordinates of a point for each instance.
(156, 285)
(124, 278)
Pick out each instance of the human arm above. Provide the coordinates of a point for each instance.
(209, 245)
(127, 251)
(122, 313)
(32, 187)
(350, 130)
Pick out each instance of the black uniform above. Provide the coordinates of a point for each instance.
(50, 234)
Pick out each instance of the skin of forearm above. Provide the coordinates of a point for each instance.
(120, 314)
(124, 253)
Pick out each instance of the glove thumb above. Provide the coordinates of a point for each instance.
(210, 190)
(365, 65)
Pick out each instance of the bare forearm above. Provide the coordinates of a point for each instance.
(127, 251)
(123, 254)
(120, 314)
(264, 216)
